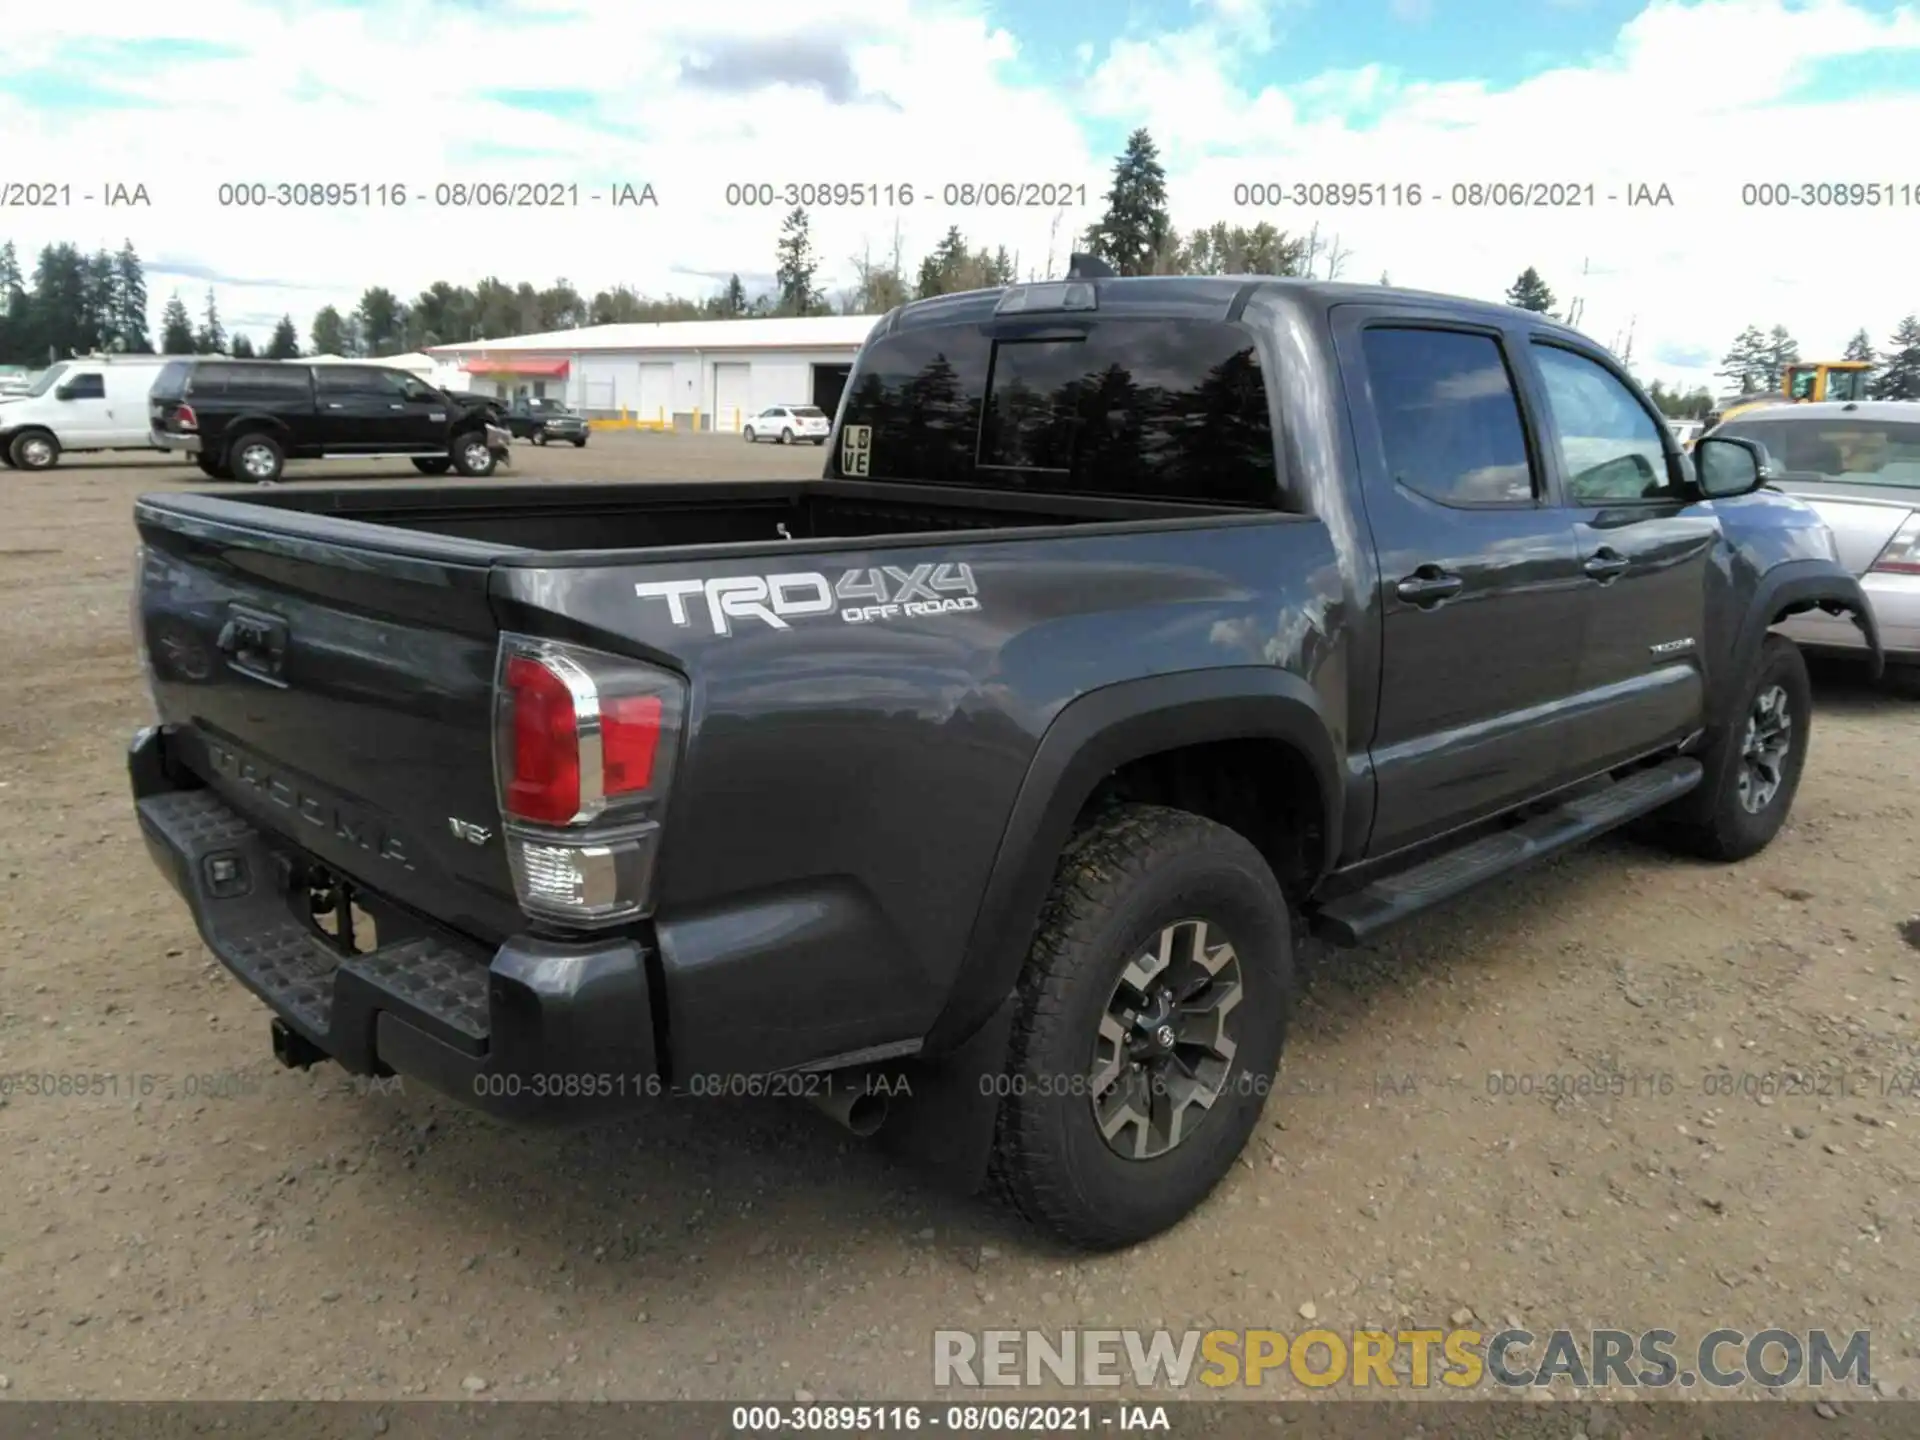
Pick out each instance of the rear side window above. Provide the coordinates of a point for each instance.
(267, 379)
(1151, 409)
(1449, 416)
(349, 380)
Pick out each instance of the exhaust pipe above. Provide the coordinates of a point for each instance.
(851, 1103)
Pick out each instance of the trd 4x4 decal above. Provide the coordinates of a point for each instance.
(888, 593)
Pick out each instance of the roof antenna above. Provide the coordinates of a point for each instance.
(1089, 267)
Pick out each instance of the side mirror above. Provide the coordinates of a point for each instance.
(1728, 467)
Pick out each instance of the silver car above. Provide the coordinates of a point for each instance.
(1858, 464)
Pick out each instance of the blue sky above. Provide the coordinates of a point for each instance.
(1698, 95)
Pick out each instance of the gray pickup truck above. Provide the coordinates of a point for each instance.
(983, 789)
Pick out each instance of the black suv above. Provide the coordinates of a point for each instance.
(542, 420)
(244, 419)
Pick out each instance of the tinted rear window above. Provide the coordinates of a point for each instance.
(265, 380)
(1153, 409)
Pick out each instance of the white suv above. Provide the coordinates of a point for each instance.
(789, 424)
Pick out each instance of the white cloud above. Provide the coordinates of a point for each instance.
(1697, 97)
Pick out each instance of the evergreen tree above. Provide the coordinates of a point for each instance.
(212, 337)
(330, 332)
(130, 302)
(14, 345)
(1859, 347)
(176, 328)
(241, 347)
(1782, 351)
(1745, 365)
(1530, 292)
(796, 266)
(1136, 230)
(1899, 378)
(285, 344)
(382, 319)
(733, 300)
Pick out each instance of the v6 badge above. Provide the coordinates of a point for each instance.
(856, 449)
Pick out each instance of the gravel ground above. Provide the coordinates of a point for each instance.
(214, 1226)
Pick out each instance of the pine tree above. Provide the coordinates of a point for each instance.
(212, 337)
(1859, 347)
(796, 267)
(733, 300)
(1530, 292)
(1136, 229)
(1745, 365)
(176, 328)
(13, 306)
(1899, 379)
(330, 333)
(130, 302)
(285, 344)
(1782, 351)
(241, 348)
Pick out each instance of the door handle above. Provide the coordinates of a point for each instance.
(1429, 585)
(1606, 565)
(396, 406)
(334, 405)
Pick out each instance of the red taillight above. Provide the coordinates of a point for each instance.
(185, 418)
(629, 740)
(544, 783)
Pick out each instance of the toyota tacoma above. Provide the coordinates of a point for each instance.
(983, 789)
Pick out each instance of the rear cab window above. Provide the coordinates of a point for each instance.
(171, 382)
(1150, 409)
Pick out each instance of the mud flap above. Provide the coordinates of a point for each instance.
(943, 1123)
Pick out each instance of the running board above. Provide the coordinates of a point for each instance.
(1355, 918)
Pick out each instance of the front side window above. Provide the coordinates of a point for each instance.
(89, 385)
(1611, 450)
(1449, 416)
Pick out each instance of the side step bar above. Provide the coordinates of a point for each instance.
(1355, 918)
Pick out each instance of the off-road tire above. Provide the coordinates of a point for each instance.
(1719, 826)
(433, 464)
(1117, 885)
(271, 469)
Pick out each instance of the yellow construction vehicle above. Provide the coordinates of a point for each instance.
(1801, 384)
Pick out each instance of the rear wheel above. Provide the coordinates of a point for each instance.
(1153, 1008)
(1753, 762)
(432, 464)
(257, 458)
(34, 450)
(472, 457)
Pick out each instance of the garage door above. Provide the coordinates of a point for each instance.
(656, 393)
(732, 394)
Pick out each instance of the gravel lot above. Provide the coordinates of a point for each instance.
(225, 1228)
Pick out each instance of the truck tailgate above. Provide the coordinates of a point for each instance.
(370, 668)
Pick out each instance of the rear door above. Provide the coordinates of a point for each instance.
(1645, 547)
(1480, 592)
(359, 411)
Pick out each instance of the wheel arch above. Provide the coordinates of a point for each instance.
(1105, 733)
(1787, 590)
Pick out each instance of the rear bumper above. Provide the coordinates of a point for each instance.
(166, 440)
(536, 1030)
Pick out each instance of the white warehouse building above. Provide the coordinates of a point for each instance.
(681, 375)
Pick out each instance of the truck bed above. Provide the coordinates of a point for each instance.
(668, 514)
